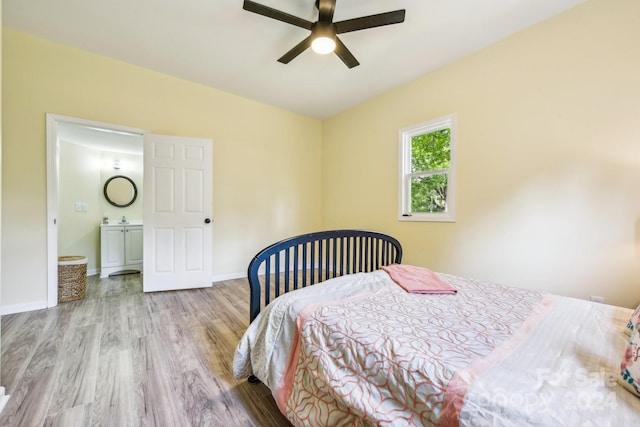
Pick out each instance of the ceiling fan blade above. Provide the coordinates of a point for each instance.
(344, 54)
(272, 13)
(326, 9)
(371, 21)
(296, 50)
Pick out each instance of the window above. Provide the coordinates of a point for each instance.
(427, 171)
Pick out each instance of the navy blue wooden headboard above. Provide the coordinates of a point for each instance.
(307, 259)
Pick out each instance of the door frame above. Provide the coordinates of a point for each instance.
(53, 154)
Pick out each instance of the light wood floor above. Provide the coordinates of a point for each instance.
(121, 357)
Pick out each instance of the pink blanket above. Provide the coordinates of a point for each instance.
(334, 356)
(418, 280)
(389, 357)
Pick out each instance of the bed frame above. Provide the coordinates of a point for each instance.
(307, 259)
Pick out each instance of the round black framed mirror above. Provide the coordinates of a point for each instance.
(120, 191)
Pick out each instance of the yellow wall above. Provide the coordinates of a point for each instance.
(548, 158)
(266, 161)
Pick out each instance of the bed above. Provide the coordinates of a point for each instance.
(357, 348)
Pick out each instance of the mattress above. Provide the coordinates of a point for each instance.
(360, 350)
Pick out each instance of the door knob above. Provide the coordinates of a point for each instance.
(207, 221)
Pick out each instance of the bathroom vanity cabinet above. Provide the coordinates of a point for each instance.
(120, 248)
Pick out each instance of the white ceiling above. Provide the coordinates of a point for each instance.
(100, 138)
(217, 43)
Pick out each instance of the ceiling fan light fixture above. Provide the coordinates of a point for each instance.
(324, 37)
(323, 45)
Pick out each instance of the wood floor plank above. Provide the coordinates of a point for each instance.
(89, 312)
(224, 347)
(12, 326)
(29, 402)
(78, 416)
(206, 401)
(175, 336)
(239, 312)
(17, 354)
(132, 304)
(112, 337)
(55, 333)
(78, 369)
(122, 357)
(138, 325)
(155, 394)
(114, 402)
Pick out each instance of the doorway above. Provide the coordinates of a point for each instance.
(96, 150)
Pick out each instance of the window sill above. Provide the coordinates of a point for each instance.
(443, 217)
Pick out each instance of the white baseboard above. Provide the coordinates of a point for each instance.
(20, 308)
(229, 276)
(4, 398)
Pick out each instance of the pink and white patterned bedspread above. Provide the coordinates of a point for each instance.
(359, 350)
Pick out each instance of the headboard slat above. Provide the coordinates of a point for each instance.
(296, 261)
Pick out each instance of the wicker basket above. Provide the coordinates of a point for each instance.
(72, 278)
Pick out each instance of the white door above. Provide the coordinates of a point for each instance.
(177, 213)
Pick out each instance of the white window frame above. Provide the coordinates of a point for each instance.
(404, 190)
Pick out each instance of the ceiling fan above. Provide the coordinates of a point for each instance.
(323, 38)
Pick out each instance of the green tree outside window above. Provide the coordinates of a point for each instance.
(430, 160)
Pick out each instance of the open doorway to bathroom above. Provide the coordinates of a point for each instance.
(81, 157)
